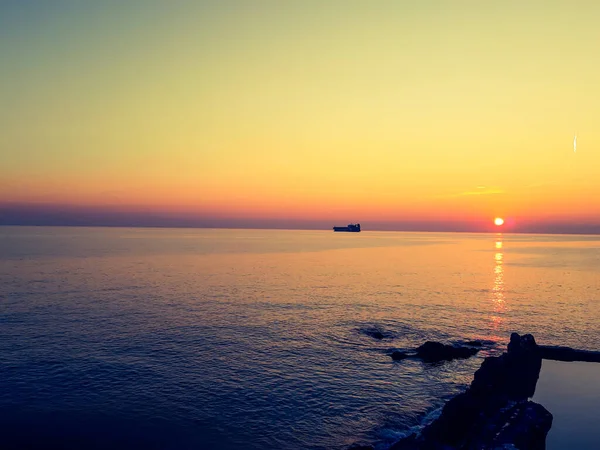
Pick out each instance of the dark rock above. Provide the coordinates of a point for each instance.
(489, 376)
(435, 351)
(520, 345)
(568, 354)
(493, 411)
(399, 356)
(458, 416)
(515, 341)
(479, 343)
(523, 425)
(523, 363)
(513, 374)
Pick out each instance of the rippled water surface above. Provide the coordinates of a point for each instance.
(191, 339)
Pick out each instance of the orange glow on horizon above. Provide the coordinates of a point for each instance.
(197, 110)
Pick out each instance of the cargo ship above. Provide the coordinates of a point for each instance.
(353, 228)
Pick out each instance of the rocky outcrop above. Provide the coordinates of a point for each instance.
(494, 412)
(523, 425)
(435, 352)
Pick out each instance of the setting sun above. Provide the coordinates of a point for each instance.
(498, 221)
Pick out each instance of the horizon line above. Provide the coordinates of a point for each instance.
(23, 214)
(199, 227)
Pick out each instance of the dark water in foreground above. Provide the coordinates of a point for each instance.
(571, 392)
(181, 339)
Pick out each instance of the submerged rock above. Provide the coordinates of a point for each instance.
(375, 333)
(479, 343)
(435, 351)
(494, 412)
(399, 356)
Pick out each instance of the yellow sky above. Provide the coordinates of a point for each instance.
(378, 110)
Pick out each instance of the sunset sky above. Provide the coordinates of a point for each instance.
(302, 112)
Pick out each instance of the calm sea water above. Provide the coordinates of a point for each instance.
(192, 339)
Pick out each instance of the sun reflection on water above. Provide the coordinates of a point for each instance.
(498, 300)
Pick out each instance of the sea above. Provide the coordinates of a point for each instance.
(150, 338)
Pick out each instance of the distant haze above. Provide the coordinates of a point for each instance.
(65, 215)
(409, 115)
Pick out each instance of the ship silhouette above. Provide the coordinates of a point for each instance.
(352, 228)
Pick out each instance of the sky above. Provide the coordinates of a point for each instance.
(399, 114)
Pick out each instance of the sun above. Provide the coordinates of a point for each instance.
(498, 221)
